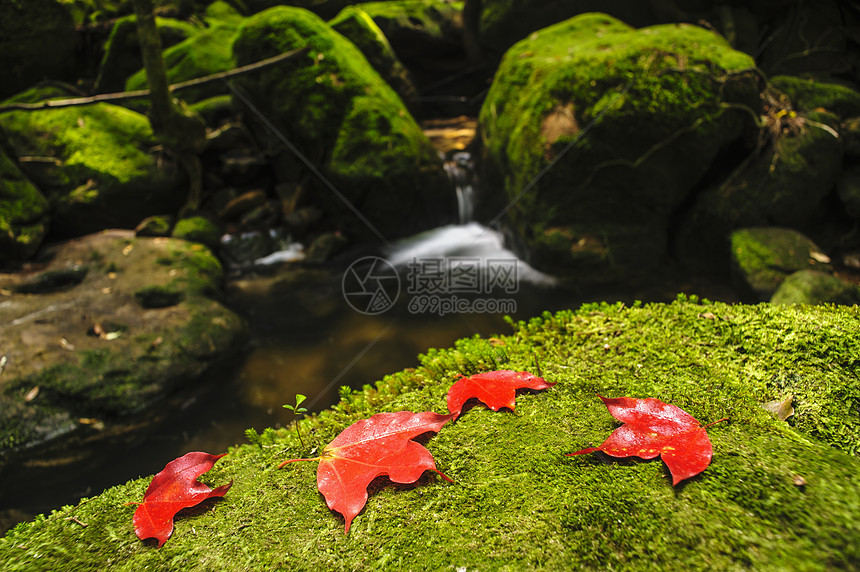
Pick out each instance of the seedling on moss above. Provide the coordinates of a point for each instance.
(297, 411)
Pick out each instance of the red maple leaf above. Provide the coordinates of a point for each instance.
(379, 445)
(174, 488)
(496, 389)
(653, 428)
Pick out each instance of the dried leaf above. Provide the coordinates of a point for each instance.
(781, 408)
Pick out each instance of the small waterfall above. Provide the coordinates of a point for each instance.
(461, 171)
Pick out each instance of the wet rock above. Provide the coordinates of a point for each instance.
(302, 219)
(137, 324)
(23, 213)
(241, 165)
(816, 287)
(242, 204)
(763, 257)
(98, 168)
(345, 119)
(241, 249)
(655, 127)
(324, 247)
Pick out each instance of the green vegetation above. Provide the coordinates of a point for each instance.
(778, 495)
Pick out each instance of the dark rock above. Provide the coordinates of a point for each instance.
(324, 247)
(302, 219)
(242, 204)
(37, 41)
(848, 191)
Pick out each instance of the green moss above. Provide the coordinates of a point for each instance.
(808, 94)
(517, 502)
(23, 213)
(158, 296)
(198, 229)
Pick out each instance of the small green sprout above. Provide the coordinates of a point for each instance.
(297, 411)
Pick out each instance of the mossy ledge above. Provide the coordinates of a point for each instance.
(778, 495)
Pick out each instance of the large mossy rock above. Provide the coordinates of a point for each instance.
(23, 213)
(206, 52)
(596, 133)
(97, 164)
(360, 29)
(122, 50)
(37, 41)
(105, 326)
(777, 495)
(342, 116)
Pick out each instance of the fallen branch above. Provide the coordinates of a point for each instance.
(128, 95)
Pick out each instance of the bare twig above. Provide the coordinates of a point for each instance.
(128, 95)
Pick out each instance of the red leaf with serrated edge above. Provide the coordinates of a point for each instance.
(496, 389)
(379, 445)
(653, 428)
(174, 488)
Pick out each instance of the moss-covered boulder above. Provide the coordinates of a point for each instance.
(342, 116)
(23, 213)
(777, 495)
(816, 287)
(198, 229)
(361, 30)
(122, 50)
(204, 53)
(107, 325)
(596, 133)
(764, 256)
(96, 164)
(37, 41)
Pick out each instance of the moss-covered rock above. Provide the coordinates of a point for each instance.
(361, 30)
(109, 326)
(629, 122)
(122, 50)
(198, 229)
(815, 287)
(333, 106)
(23, 213)
(762, 257)
(96, 164)
(207, 52)
(777, 495)
(809, 94)
(37, 41)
